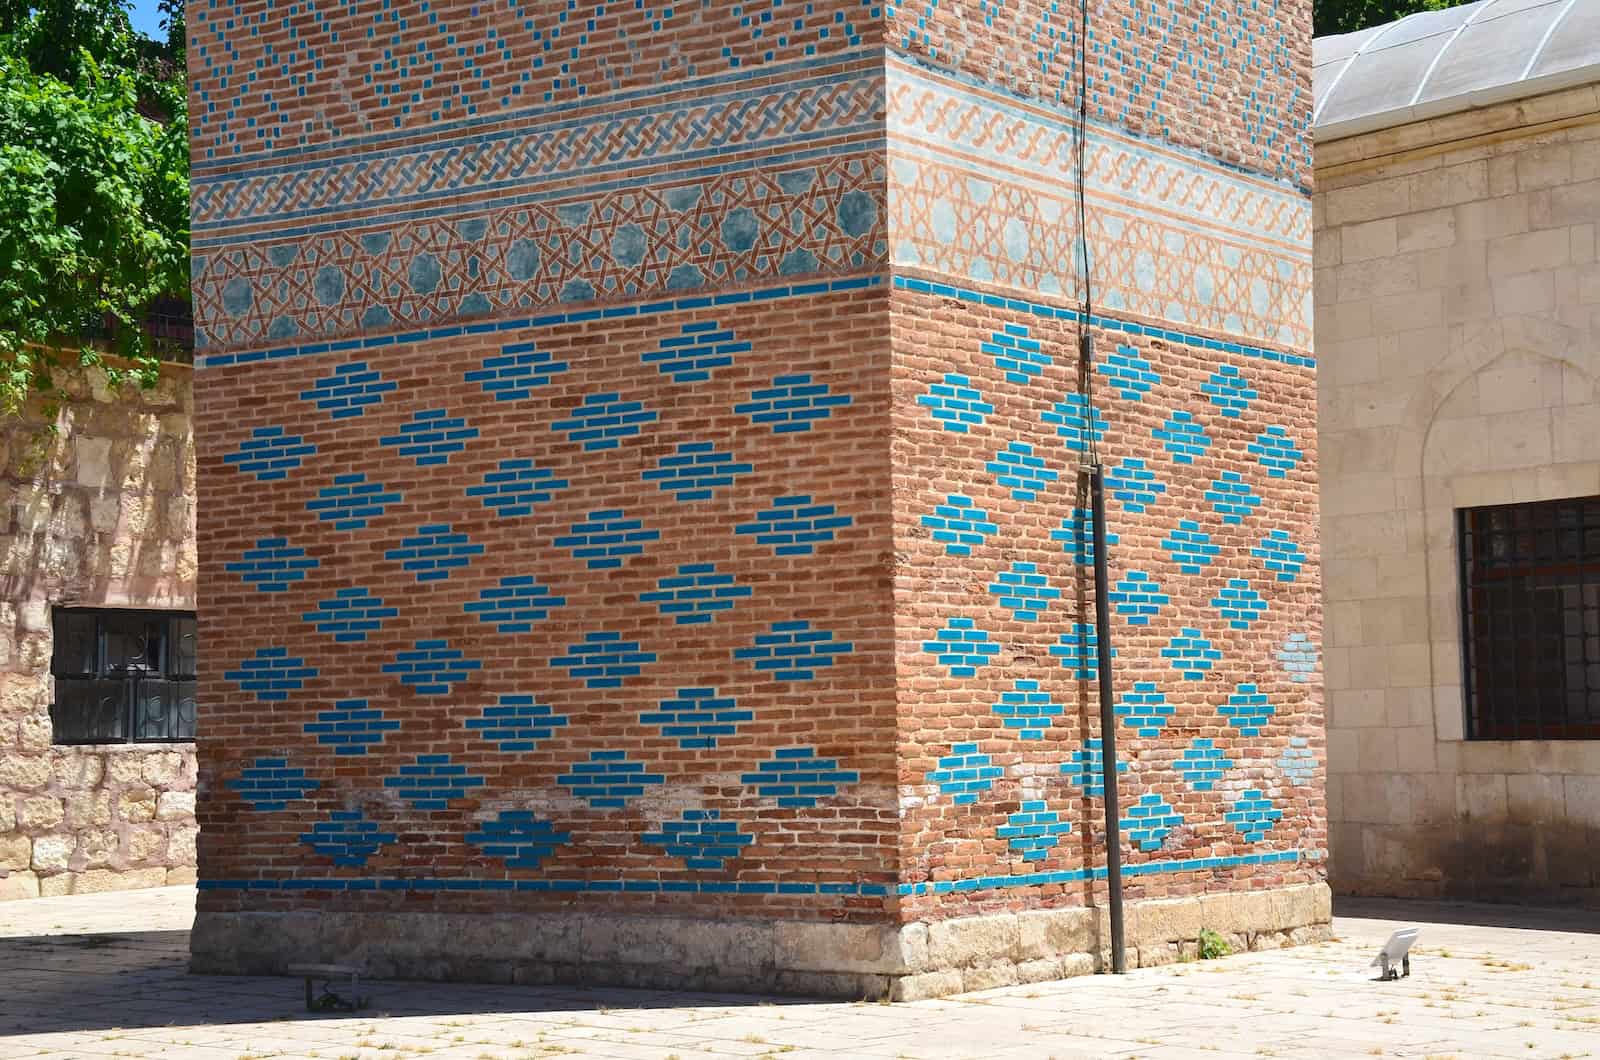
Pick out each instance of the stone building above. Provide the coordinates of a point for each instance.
(97, 594)
(643, 535)
(1458, 341)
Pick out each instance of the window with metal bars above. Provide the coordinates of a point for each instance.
(123, 676)
(1530, 629)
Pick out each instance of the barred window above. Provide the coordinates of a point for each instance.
(123, 676)
(1530, 602)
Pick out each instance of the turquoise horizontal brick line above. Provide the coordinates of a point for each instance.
(1033, 831)
(1229, 391)
(1078, 649)
(608, 779)
(270, 784)
(514, 372)
(432, 781)
(431, 667)
(1232, 498)
(1057, 877)
(1280, 555)
(1020, 357)
(1202, 764)
(1028, 709)
(1145, 709)
(347, 837)
(515, 603)
(1183, 437)
(1133, 485)
(269, 454)
(351, 501)
(603, 420)
(1253, 815)
(1298, 657)
(518, 838)
(605, 539)
(695, 471)
(351, 727)
(1190, 547)
(1023, 591)
(604, 660)
(1076, 535)
(516, 722)
(271, 674)
(1138, 598)
(1191, 654)
(620, 885)
(1150, 821)
(792, 403)
(1131, 375)
(697, 717)
(1275, 451)
(431, 437)
(1086, 766)
(795, 526)
(1076, 422)
(349, 391)
(273, 565)
(1239, 603)
(958, 524)
(962, 647)
(793, 651)
(956, 404)
(701, 838)
(797, 778)
(1248, 709)
(515, 486)
(350, 615)
(965, 773)
(696, 351)
(695, 594)
(434, 552)
(1018, 470)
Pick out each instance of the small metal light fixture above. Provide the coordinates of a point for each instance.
(1394, 959)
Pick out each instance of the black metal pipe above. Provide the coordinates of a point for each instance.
(1108, 716)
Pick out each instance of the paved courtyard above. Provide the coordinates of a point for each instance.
(103, 975)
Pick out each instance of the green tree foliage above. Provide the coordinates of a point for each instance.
(94, 188)
(1345, 16)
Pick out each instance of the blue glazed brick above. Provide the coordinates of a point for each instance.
(1232, 498)
(1239, 603)
(1078, 649)
(794, 526)
(1280, 555)
(1138, 598)
(1298, 657)
(603, 420)
(1034, 830)
(1150, 821)
(1086, 769)
(1076, 535)
(797, 778)
(516, 723)
(1028, 709)
(1130, 374)
(271, 674)
(1228, 391)
(270, 784)
(955, 403)
(958, 524)
(269, 454)
(1190, 548)
(351, 727)
(1145, 709)
(1018, 356)
(1191, 654)
(1253, 815)
(1133, 485)
(965, 773)
(1183, 437)
(1024, 592)
(515, 604)
(607, 538)
(1275, 451)
(695, 471)
(792, 403)
(431, 436)
(696, 594)
(347, 837)
(515, 371)
(434, 552)
(962, 647)
(603, 660)
(431, 781)
(518, 838)
(1018, 470)
(273, 565)
(793, 651)
(608, 779)
(697, 717)
(351, 501)
(1076, 422)
(431, 667)
(349, 391)
(1248, 710)
(695, 352)
(701, 838)
(1298, 762)
(1202, 764)
(515, 486)
(350, 615)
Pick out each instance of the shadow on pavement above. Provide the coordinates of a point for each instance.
(1573, 919)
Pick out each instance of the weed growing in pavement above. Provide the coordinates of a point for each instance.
(1213, 945)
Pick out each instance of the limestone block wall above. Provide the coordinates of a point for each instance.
(100, 513)
(1458, 332)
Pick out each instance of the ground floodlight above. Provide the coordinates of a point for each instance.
(1395, 958)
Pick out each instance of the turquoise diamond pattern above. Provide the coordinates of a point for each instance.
(793, 651)
(1138, 598)
(513, 488)
(795, 526)
(1202, 764)
(1183, 437)
(270, 784)
(1298, 762)
(1130, 374)
(1275, 451)
(518, 838)
(697, 717)
(958, 524)
(798, 778)
(1232, 498)
(695, 471)
(432, 781)
(792, 403)
(516, 722)
(1025, 592)
(1280, 555)
(1133, 485)
(1229, 391)
(346, 837)
(1248, 710)
(1298, 657)
(1190, 547)
(516, 371)
(1028, 710)
(965, 773)
(956, 404)
(1018, 356)
(270, 454)
(607, 538)
(271, 674)
(431, 437)
(1191, 654)
(1034, 830)
(350, 615)
(432, 667)
(701, 838)
(693, 354)
(1086, 768)
(609, 779)
(273, 565)
(603, 420)
(434, 552)
(1150, 821)
(1253, 815)
(1018, 470)
(604, 660)
(962, 647)
(1076, 535)
(1239, 603)
(695, 594)
(1145, 709)
(515, 604)
(1076, 421)
(1078, 651)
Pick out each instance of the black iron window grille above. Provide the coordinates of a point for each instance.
(123, 676)
(1530, 619)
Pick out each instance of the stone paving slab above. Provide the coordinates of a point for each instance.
(105, 976)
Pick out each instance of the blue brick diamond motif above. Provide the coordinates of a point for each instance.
(1280, 555)
(1138, 598)
(433, 552)
(351, 727)
(350, 615)
(697, 717)
(1131, 374)
(1183, 437)
(796, 777)
(603, 660)
(1028, 709)
(1298, 762)
(695, 594)
(603, 420)
(1133, 485)
(1239, 603)
(432, 781)
(515, 604)
(512, 374)
(690, 356)
(349, 391)
(1076, 422)
(607, 538)
(695, 471)
(270, 784)
(701, 838)
(609, 779)
(1202, 764)
(1150, 821)
(431, 436)
(1076, 535)
(1034, 830)
(516, 722)
(1145, 709)
(351, 501)
(1191, 654)
(792, 403)
(1275, 451)
(1015, 354)
(1018, 470)
(1078, 649)
(962, 647)
(1228, 391)
(347, 837)
(514, 487)
(1248, 710)
(965, 773)
(1086, 768)
(1190, 547)
(271, 674)
(1298, 657)
(431, 667)
(1024, 592)
(273, 565)
(517, 837)
(1253, 815)
(794, 526)
(793, 651)
(958, 524)
(956, 403)
(269, 454)
(1232, 498)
